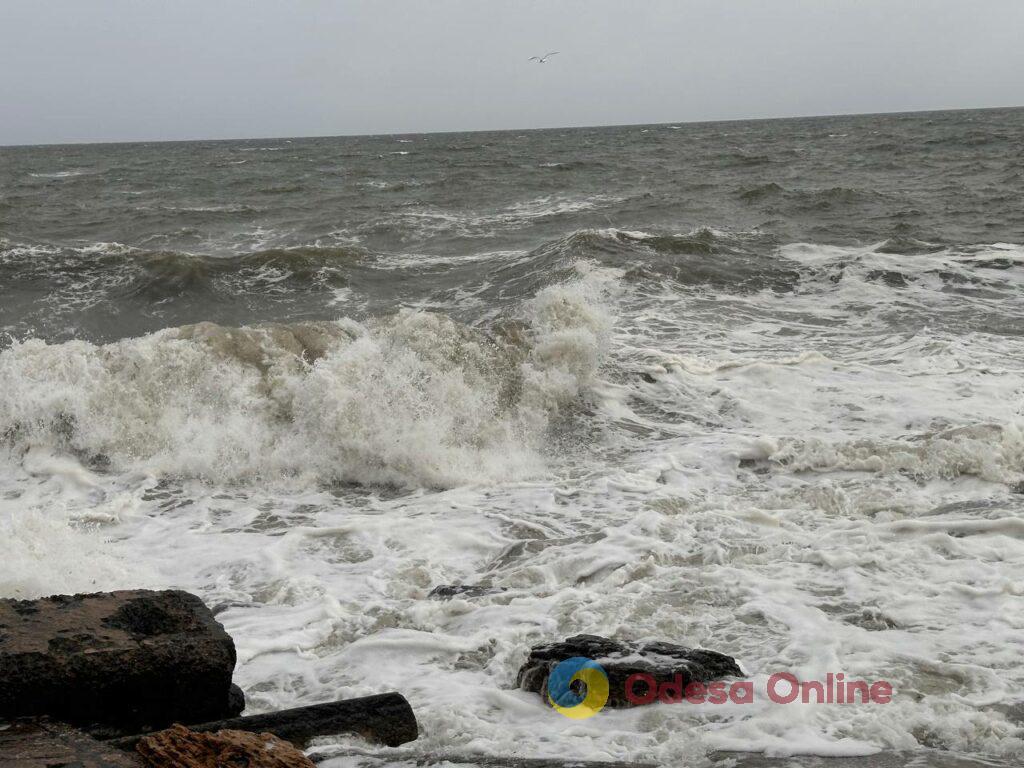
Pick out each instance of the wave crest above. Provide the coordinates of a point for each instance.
(413, 400)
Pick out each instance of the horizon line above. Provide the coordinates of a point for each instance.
(106, 142)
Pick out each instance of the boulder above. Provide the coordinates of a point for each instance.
(661, 661)
(128, 661)
(43, 744)
(179, 747)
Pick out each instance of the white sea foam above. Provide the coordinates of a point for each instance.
(54, 518)
(414, 400)
(814, 481)
(513, 216)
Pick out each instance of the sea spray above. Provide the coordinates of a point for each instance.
(414, 400)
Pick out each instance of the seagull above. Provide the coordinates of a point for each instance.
(542, 59)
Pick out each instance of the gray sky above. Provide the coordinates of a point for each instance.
(108, 70)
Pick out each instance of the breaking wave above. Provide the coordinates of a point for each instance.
(413, 400)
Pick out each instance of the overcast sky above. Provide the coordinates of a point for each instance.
(114, 70)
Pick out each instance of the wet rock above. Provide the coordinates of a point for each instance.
(757, 466)
(662, 661)
(42, 744)
(128, 661)
(385, 718)
(236, 700)
(448, 591)
(178, 747)
(871, 619)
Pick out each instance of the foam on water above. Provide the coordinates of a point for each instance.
(54, 515)
(795, 482)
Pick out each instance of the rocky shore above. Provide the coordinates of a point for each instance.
(108, 679)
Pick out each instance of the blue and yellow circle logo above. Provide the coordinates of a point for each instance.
(566, 697)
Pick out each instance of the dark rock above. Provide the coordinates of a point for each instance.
(385, 718)
(178, 747)
(236, 700)
(448, 591)
(1017, 487)
(757, 466)
(662, 661)
(43, 744)
(130, 661)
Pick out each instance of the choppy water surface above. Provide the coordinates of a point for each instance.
(751, 386)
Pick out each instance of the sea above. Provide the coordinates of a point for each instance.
(755, 387)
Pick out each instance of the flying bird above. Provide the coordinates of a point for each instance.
(542, 59)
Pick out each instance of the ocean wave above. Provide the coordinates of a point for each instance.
(738, 261)
(127, 270)
(111, 290)
(569, 165)
(908, 246)
(414, 400)
(803, 200)
(981, 272)
(488, 223)
(226, 208)
(61, 174)
(761, 192)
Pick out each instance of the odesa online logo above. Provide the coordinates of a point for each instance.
(570, 702)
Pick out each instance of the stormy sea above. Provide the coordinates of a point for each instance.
(755, 387)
